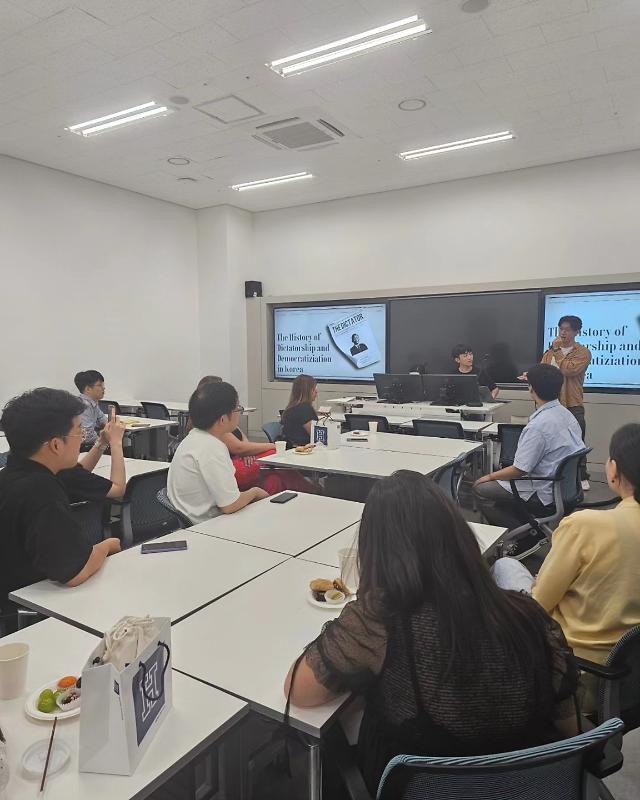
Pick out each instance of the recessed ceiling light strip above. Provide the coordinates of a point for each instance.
(295, 176)
(462, 144)
(409, 27)
(119, 118)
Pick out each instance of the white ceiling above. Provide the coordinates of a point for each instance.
(563, 74)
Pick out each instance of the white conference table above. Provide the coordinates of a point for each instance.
(265, 627)
(327, 552)
(289, 528)
(352, 461)
(413, 410)
(469, 426)
(200, 716)
(402, 443)
(180, 405)
(133, 466)
(172, 584)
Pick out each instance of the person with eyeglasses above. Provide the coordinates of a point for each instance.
(39, 536)
(202, 482)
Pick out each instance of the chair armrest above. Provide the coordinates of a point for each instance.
(611, 761)
(600, 670)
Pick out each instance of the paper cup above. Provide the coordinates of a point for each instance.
(281, 448)
(348, 559)
(373, 427)
(13, 670)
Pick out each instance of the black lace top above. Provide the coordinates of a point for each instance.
(414, 705)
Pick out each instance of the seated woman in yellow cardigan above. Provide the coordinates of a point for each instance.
(590, 580)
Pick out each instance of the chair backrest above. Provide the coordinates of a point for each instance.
(622, 697)
(142, 515)
(155, 410)
(568, 489)
(553, 771)
(445, 429)
(360, 422)
(272, 430)
(508, 436)
(92, 517)
(163, 499)
(448, 478)
(105, 406)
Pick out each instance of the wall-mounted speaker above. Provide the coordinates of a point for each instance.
(253, 288)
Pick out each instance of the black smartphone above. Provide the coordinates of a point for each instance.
(163, 547)
(284, 497)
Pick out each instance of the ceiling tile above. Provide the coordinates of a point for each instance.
(14, 19)
(43, 8)
(117, 12)
(131, 36)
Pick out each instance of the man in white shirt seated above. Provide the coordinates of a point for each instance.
(551, 435)
(201, 482)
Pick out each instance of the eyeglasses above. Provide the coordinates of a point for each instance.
(82, 434)
(238, 408)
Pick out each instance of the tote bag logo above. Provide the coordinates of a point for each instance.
(148, 693)
(321, 435)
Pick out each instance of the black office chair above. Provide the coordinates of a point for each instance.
(567, 495)
(618, 688)
(444, 429)
(105, 407)
(142, 516)
(569, 769)
(450, 477)
(163, 499)
(360, 422)
(93, 518)
(160, 411)
(272, 430)
(508, 436)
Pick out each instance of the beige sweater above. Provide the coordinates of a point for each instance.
(590, 581)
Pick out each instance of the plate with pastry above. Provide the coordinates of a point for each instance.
(331, 595)
(304, 450)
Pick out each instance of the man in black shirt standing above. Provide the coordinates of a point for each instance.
(462, 354)
(39, 536)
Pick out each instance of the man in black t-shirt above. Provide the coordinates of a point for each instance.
(462, 354)
(39, 536)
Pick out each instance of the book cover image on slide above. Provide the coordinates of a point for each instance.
(353, 336)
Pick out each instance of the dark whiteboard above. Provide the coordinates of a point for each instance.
(502, 328)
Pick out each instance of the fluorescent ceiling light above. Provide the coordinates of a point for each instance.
(407, 28)
(93, 126)
(295, 176)
(408, 155)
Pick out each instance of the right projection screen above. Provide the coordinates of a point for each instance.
(502, 329)
(610, 329)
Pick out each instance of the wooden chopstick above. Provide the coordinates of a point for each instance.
(46, 763)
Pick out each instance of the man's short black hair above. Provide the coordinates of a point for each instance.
(459, 349)
(210, 402)
(575, 323)
(546, 381)
(35, 417)
(87, 378)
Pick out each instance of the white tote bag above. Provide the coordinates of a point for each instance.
(122, 709)
(327, 432)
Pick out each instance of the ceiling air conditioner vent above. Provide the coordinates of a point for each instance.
(298, 133)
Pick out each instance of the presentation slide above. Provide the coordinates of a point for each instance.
(332, 343)
(610, 329)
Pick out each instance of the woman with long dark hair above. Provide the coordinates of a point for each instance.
(448, 663)
(300, 413)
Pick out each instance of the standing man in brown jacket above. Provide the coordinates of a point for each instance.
(572, 359)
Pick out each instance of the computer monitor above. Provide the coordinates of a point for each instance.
(399, 388)
(452, 390)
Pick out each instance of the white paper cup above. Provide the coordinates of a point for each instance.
(348, 559)
(13, 670)
(281, 448)
(373, 427)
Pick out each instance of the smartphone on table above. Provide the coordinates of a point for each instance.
(163, 547)
(283, 498)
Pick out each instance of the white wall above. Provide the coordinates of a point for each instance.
(94, 277)
(224, 257)
(576, 218)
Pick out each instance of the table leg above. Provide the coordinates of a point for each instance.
(315, 770)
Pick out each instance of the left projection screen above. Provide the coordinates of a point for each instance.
(333, 343)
